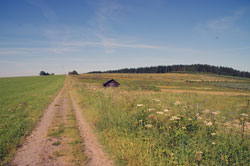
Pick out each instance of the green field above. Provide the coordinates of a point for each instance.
(169, 119)
(22, 102)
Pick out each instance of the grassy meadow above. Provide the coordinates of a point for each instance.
(169, 119)
(22, 102)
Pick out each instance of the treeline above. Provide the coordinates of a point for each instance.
(183, 68)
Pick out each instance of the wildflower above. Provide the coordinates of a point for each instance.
(207, 111)
(159, 112)
(213, 134)
(139, 105)
(236, 121)
(148, 125)
(156, 100)
(177, 103)
(190, 119)
(213, 143)
(171, 154)
(198, 156)
(174, 118)
(244, 115)
(151, 109)
(209, 124)
(184, 128)
(215, 113)
(199, 117)
(227, 124)
(166, 110)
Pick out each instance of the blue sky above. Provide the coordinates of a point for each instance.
(61, 35)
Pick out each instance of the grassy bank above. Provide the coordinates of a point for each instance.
(22, 102)
(144, 126)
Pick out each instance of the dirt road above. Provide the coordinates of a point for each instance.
(47, 146)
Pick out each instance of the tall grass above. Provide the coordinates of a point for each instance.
(156, 128)
(22, 102)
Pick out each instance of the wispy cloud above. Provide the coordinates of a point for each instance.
(221, 23)
(106, 12)
(35, 51)
(12, 51)
(105, 17)
(109, 44)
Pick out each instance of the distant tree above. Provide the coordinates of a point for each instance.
(43, 73)
(74, 72)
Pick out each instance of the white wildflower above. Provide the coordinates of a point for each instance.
(199, 117)
(207, 111)
(166, 110)
(148, 125)
(151, 109)
(215, 113)
(159, 112)
(139, 105)
(198, 156)
(156, 100)
(227, 124)
(177, 103)
(209, 124)
(190, 119)
(174, 118)
(213, 143)
(213, 134)
(244, 115)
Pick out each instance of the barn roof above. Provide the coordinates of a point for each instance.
(112, 80)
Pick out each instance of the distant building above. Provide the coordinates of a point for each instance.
(111, 83)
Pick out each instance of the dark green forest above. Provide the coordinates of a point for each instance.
(182, 68)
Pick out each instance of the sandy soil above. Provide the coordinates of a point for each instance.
(38, 148)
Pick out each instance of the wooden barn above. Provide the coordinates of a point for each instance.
(111, 83)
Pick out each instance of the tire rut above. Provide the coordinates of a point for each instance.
(92, 148)
(37, 147)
